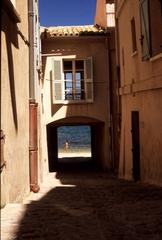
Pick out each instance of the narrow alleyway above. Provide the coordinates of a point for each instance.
(87, 205)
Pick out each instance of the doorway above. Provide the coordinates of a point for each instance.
(135, 145)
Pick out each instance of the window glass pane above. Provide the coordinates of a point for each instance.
(78, 75)
(67, 65)
(68, 76)
(78, 85)
(79, 64)
(78, 90)
(68, 85)
(69, 96)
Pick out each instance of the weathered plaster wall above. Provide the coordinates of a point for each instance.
(141, 91)
(15, 105)
(100, 17)
(99, 109)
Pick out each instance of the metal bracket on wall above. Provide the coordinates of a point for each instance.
(2, 139)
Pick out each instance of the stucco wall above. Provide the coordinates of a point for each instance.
(99, 109)
(100, 17)
(15, 105)
(141, 90)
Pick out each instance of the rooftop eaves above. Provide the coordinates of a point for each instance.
(72, 31)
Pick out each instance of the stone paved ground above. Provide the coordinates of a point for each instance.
(86, 206)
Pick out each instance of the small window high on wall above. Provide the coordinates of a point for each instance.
(133, 30)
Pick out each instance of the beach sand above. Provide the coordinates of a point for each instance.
(74, 154)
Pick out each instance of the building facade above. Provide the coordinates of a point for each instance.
(139, 48)
(16, 64)
(105, 17)
(75, 87)
(14, 101)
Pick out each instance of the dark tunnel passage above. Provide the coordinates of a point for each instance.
(74, 146)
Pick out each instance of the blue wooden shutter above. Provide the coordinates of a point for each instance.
(145, 29)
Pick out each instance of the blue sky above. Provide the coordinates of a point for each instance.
(66, 12)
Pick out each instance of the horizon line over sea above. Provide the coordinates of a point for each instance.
(74, 139)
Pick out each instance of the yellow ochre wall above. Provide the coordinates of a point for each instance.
(141, 90)
(82, 47)
(15, 105)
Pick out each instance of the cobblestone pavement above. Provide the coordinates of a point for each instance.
(86, 206)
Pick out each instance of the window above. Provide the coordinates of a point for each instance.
(151, 28)
(133, 30)
(73, 80)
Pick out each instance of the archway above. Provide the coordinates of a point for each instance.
(58, 156)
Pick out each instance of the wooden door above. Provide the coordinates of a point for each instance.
(135, 145)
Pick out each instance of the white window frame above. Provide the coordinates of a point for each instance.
(88, 80)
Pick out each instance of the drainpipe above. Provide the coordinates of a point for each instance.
(109, 100)
(31, 16)
(33, 106)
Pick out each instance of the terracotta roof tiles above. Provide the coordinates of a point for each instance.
(67, 31)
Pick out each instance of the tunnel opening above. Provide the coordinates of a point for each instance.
(74, 141)
(74, 146)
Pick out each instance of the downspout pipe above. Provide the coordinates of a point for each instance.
(31, 18)
(33, 105)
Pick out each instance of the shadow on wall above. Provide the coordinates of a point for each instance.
(91, 205)
(11, 36)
